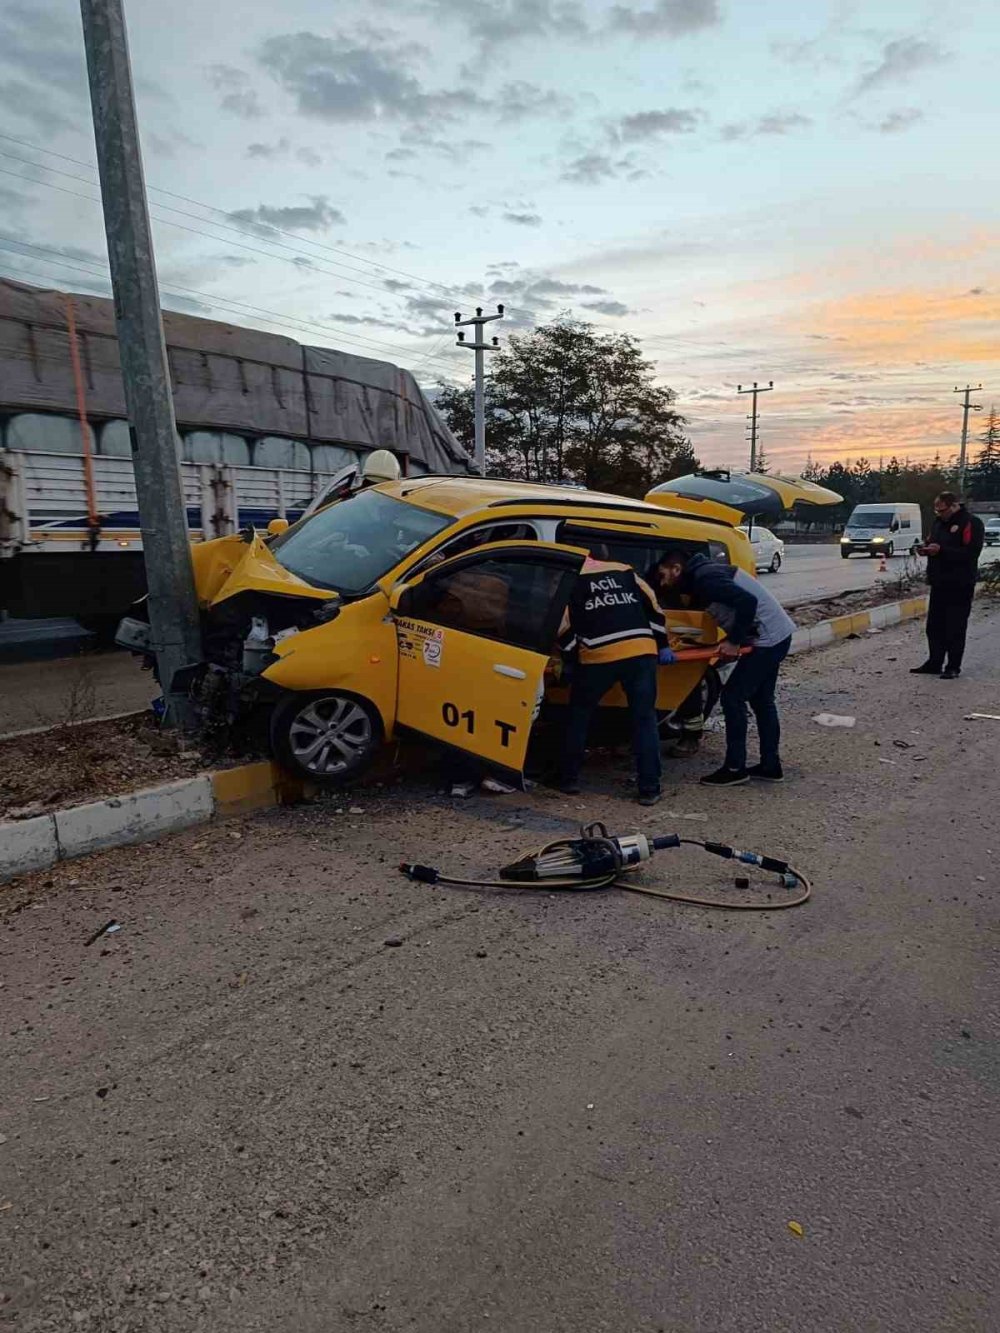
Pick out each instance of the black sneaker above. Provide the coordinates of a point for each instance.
(772, 774)
(951, 673)
(650, 797)
(927, 669)
(569, 788)
(725, 777)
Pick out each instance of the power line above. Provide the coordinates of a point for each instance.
(272, 316)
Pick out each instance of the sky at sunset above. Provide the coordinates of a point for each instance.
(803, 193)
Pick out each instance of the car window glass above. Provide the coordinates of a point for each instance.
(468, 541)
(350, 545)
(516, 600)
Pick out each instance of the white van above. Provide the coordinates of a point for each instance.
(887, 528)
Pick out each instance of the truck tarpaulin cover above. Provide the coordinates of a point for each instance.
(224, 378)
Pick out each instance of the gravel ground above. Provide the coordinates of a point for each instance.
(298, 1094)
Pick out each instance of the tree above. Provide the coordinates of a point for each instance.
(564, 403)
(985, 473)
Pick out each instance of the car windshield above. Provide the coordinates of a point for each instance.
(881, 518)
(350, 545)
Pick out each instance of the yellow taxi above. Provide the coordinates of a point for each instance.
(431, 606)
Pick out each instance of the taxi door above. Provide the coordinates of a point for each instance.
(474, 636)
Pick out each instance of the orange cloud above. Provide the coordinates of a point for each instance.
(920, 325)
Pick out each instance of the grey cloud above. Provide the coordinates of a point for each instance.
(501, 23)
(651, 124)
(319, 215)
(594, 168)
(45, 46)
(977, 291)
(236, 91)
(776, 123)
(33, 106)
(283, 149)
(899, 60)
(669, 18)
(589, 169)
(522, 219)
(616, 308)
(553, 287)
(396, 285)
(344, 79)
(340, 318)
(897, 121)
(519, 100)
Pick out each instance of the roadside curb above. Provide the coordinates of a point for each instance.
(119, 821)
(140, 816)
(858, 622)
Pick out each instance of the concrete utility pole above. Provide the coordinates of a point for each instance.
(173, 609)
(753, 418)
(479, 347)
(967, 407)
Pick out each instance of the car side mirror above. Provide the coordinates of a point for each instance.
(277, 526)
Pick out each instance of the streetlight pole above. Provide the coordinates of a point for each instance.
(480, 346)
(173, 608)
(967, 407)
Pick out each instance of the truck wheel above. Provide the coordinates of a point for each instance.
(326, 737)
(890, 551)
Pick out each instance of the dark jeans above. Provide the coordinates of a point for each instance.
(947, 622)
(590, 684)
(753, 681)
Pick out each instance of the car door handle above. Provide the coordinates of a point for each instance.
(515, 673)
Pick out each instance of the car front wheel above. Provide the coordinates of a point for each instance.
(775, 564)
(325, 737)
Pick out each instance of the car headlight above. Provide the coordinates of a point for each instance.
(878, 539)
(845, 539)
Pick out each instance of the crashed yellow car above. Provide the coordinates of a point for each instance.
(431, 606)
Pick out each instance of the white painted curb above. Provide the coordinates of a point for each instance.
(135, 817)
(28, 844)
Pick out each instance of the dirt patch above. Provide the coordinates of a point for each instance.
(895, 589)
(72, 764)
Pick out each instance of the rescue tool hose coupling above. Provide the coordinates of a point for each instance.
(597, 860)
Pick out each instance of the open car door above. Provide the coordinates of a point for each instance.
(751, 495)
(475, 634)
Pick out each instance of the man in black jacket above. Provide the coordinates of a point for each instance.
(952, 562)
(751, 617)
(615, 633)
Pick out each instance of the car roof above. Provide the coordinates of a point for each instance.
(459, 496)
(471, 497)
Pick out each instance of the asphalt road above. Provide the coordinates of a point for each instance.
(297, 1093)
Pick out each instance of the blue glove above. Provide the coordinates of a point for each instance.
(666, 656)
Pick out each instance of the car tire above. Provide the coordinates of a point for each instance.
(301, 721)
(775, 564)
(845, 555)
(890, 551)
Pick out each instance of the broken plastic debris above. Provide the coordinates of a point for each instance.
(796, 1228)
(982, 717)
(355, 810)
(834, 720)
(108, 928)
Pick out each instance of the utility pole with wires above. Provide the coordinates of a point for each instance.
(173, 608)
(967, 407)
(755, 390)
(479, 347)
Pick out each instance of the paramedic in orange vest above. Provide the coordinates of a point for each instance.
(614, 633)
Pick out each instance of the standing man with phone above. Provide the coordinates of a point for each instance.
(952, 553)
